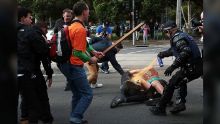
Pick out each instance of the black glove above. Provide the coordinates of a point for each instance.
(169, 70)
(160, 55)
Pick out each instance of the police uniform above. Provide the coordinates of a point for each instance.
(188, 59)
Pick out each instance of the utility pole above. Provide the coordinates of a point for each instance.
(189, 14)
(178, 13)
(133, 9)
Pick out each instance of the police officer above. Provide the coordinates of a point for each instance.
(188, 59)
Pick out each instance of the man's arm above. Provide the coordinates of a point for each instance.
(184, 52)
(47, 67)
(81, 55)
(90, 49)
(135, 71)
(166, 53)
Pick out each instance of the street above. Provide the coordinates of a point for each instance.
(100, 112)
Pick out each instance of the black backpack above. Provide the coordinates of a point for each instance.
(60, 45)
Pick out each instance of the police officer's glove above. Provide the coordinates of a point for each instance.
(169, 70)
(160, 55)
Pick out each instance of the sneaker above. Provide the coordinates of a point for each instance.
(93, 86)
(116, 101)
(178, 108)
(156, 110)
(104, 71)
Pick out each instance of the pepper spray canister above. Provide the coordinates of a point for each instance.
(160, 61)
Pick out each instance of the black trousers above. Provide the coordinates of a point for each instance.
(35, 102)
(111, 56)
(105, 65)
(179, 80)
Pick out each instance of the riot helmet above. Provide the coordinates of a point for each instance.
(169, 25)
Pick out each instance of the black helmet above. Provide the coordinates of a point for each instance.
(169, 25)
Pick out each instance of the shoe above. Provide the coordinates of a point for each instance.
(104, 71)
(178, 108)
(83, 122)
(93, 86)
(156, 110)
(152, 102)
(116, 101)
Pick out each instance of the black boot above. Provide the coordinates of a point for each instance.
(152, 102)
(157, 110)
(178, 108)
(116, 101)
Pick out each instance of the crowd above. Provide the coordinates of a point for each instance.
(33, 50)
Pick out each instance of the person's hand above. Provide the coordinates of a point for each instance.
(93, 60)
(49, 80)
(98, 54)
(160, 55)
(169, 70)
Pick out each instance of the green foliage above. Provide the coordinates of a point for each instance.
(108, 10)
(155, 8)
(43, 9)
(112, 10)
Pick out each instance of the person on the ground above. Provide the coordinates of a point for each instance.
(188, 59)
(150, 88)
(74, 72)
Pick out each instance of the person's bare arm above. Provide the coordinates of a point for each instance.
(135, 71)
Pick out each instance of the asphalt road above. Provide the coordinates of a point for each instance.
(100, 112)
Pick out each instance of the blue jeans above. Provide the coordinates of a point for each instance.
(82, 93)
(105, 66)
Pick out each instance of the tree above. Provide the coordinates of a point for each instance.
(43, 9)
(155, 8)
(109, 10)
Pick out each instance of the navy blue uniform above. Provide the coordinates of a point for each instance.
(188, 59)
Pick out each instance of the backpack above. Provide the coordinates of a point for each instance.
(60, 45)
